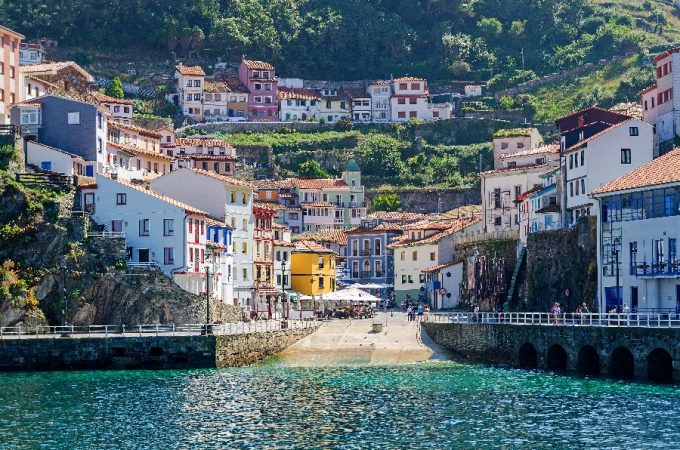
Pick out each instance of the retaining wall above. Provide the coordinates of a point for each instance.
(145, 352)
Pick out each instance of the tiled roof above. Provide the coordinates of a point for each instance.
(550, 148)
(258, 65)
(632, 109)
(397, 216)
(267, 205)
(647, 89)
(353, 92)
(235, 85)
(215, 86)
(12, 32)
(298, 93)
(532, 167)
(191, 142)
(457, 213)
(663, 170)
(341, 95)
(454, 227)
(326, 235)
(53, 68)
(317, 205)
(279, 226)
(202, 156)
(217, 176)
(379, 82)
(549, 209)
(441, 266)
(190, 70)
(580, 144)
(273, 184)
(311, 246)
(319, 183)
(72, 155)
(103, 98)
(137, 151)
(407, 78)
(381, 228)
(590, 108)
(281, 243)
(165, 198)
(135, 129)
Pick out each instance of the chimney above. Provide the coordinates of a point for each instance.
(114, 176)
(581, 121)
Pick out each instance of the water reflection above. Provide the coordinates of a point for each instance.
(436, 405)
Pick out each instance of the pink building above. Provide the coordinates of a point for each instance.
(260, 78)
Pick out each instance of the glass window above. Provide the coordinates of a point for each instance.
(625, 156)
(144, 227)
(168, 227)
(634, 131)
(74, 118)
(168, 255)
(121, 199)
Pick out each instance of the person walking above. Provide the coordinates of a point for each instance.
(420, 312)
(583, 310)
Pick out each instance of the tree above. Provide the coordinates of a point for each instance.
(115, 89)
(490, 26)
(386, 202)
(380, 155)
(312, 169)
(507, 103)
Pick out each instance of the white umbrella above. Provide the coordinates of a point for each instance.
(352, 294)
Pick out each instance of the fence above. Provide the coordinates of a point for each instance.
(511, 235)
(93, 331)
(644, 320)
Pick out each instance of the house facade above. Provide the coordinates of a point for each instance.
(380, 92)
(510, 141)
(67, 124)
(65, 78)
(638, 233)
(335, 105)
(120, 110)
(266, 292)
(189, 84)
(227, 200)
(259, 77)
(135, 152)
(31, 53)
(361, 104)
(11, 89)
(409, 99)
(205, 153)
(313, 270)
(298, 104)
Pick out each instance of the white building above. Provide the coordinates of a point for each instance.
(601, 158)
(409, 99)
(380, 93)
(540, 208)
(439, 111)
(189, 83)
(512, 141)
(229, 201)
(54, 159)
(639, 227)
(121, 110)
(298, 104)
(215, 100)
(159, 230)
(659, 106)
(361, 104)
(519, 172)
(473, 90)
(31, 53)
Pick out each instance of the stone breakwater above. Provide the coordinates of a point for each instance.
(144, 352)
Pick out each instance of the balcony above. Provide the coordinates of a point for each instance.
(656, 269)
(357, 204)
(365, 253)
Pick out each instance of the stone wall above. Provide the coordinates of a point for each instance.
(145, 352)
(431, 200)
(500, 343)
(562, 260)
(254, 127)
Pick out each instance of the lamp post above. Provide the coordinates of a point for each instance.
(283, 286)
(208, 329)
(615, 250)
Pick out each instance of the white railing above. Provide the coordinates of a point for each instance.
(93, 331)
(143, 265)
(645, 320)
(106, 234)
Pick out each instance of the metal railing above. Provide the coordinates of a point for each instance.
(632, 319)
(104, 331)
(107, 234)
(143, 265)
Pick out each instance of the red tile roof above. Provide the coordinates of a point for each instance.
(550, 148)
(647, 89)
(662, 170)
(217, 176)
(311, 246)
(257, 65)
(103, 98)
(190, 70)
(201, 157)
(330, 235)
(319, 183)
(407, 78)
(298, 93)
(192, 142)
(216, 86)
(580, 144)
(54, 67)
(273, 184)
(532, 168)
(135, 129)
(165, 198)
(453, 227)
(317, 205)
(137, 151)
(266, 205)
(353, 92)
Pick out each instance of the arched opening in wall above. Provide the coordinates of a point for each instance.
(557, 358)
(588, 361)
(156, 351)
(622, 364)
(527, 356)
(659, 366)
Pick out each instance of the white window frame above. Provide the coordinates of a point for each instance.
(73, 118)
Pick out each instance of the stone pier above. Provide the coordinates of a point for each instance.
(621, 352)
(144, 352)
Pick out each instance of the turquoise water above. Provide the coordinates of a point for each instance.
(434, 405)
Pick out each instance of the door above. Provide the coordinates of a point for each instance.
(143, 255)
(46, 165)
(633, 298)
(88, 202)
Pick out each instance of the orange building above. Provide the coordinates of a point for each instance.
(10, 80)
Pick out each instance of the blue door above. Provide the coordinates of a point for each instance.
(89, 171)
(46, 165)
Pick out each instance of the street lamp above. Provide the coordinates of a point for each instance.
(615, 251)
(283, 286)
(208, 330)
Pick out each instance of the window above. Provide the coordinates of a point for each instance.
(169, 227)
(403, 86)
(410, 279)
(414, 256)
(625, 156)
(143, 227)
(117, 226)
(169, 255)
(571, 161)
(583, 185)
(403, 256)
(504, 145)
(121, 199)
(571, 189)
(403, 279)
(321, 283)
(401, 114)
(433, 256)
(197, 97)
(540, 160)
(413, 114)
(74, 118)
(197, 83)
(377, 247)
(497, 221)
(412, 101)
(244, 247)
(401, 101)
(421, 277)
(577, 187)
(583, 157)
(30, 116)
(634, 131)
(415, 86)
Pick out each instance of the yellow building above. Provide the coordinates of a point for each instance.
(312, 269)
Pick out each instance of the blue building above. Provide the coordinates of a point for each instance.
(67, 124)
(220, 246)
(368, 259)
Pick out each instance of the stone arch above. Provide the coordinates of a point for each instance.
(622, 364)
(557, 358)
(156, 351)
(588, 360)
(659, 366)
(528, 358)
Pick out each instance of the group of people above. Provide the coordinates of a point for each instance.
(355, 311)
(416, 312)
